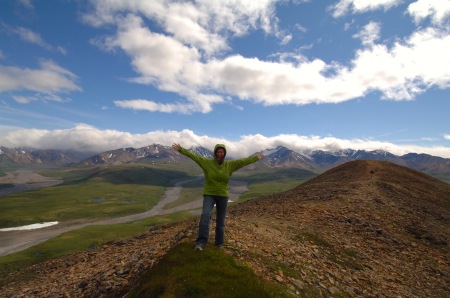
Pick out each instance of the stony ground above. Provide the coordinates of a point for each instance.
(105, 271)
(345, 234)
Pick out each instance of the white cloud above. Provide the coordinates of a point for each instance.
(86, 138)
(204, 24)
(429, 139)
(147, 105)
(15, 115)
(193, 64)
(369, 34)
(438, 11)
(22, 99)
(173, 62)
(344, 7)
(414, 66)
(154, 55)
(447, 136)
(26, 3)
(285, 39)
(271, 83)
(32, 37)
(45, 97)
(48, 79)
(301, 28)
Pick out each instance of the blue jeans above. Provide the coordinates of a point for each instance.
(221, 210)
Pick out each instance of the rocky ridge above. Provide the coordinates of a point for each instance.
(350, 232)
(48, 157)
(362, 229)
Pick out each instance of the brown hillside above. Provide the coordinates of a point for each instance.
(345, 233)
(348, 231)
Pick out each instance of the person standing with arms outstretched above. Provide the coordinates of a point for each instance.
(217, 173)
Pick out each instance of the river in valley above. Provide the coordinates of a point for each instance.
(16, 240)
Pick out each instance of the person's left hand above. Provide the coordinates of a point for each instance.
(176, 146)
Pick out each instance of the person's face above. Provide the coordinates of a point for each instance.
(220, 154)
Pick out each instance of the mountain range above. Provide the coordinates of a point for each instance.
(280, 157)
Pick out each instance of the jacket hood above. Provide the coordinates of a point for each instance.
(220, 146)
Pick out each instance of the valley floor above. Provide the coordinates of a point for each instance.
(14, 241)
(23, 180)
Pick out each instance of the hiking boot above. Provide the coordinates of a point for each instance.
(198, 247)
(219, 246)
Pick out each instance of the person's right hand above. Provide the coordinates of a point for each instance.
(176, 147)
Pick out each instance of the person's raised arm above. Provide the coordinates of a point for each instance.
(176, 147)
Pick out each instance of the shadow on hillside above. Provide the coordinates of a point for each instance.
(145, 175)
(278, 174)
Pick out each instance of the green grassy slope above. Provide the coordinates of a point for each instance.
(90, 194)
(184, 272)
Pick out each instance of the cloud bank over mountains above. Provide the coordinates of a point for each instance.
(85, 138)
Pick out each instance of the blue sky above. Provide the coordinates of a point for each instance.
(100, 75)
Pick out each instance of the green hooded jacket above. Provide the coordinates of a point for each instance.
(217, 175)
